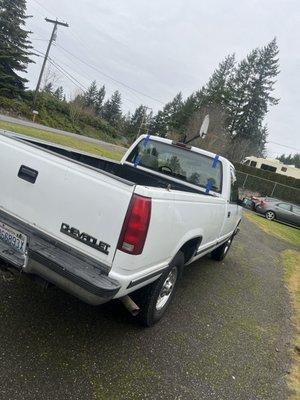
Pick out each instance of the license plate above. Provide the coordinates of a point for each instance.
(13, 238)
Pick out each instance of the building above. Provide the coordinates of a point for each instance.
(272, 165)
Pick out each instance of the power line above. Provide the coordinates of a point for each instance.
(55, 23)
(42, 40)
(45, 8)
(60, 62)
(82, 87)
(71, 78)
(283, 145)
(110, 77)
(63, 71)
(67, 75)
(96, 68)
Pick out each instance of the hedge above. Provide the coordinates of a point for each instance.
(272, 176)
(265, 187)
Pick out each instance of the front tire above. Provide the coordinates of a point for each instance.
(220, 252)
(155, 298)
(270, 215)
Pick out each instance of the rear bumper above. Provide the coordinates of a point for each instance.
(59, 264)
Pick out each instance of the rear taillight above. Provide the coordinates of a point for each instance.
(135, 226)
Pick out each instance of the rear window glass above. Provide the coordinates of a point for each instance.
(178, 162)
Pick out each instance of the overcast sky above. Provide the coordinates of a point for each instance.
(161, 47)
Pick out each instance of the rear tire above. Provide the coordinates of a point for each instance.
(155, 298)
(270, 215)
(220, 252)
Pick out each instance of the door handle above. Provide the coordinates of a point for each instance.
(27, 174)
(228, 214)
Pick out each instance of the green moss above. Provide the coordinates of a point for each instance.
(129, 385)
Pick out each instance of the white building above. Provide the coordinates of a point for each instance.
(272, 165)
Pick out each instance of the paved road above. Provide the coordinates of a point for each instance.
(226, 336)
(104, 145)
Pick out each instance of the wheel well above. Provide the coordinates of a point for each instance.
(190, 247)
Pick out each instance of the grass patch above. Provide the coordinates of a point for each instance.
(291, 262)
(60, 139)
(287, 233)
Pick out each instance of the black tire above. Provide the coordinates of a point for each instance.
(147, 298)
(220, 252)
(270, 215)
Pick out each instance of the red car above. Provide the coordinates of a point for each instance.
(261, 201)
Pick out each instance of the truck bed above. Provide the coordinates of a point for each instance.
(124, 171)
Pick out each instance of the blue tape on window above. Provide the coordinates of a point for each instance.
(208, 186)
(137, 160)
(146, 140)
(215, 161)
(138, 157)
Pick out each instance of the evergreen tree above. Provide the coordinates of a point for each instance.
(216, 91)
(218, 88)
(48, 88)
(90, 96)
(59, 93)
(15, 48)
(173, 110)
(189, 106)
(112, 109)
(251, 95)
(159, 124)
(138, 122)
(100, 99)
(169, 118)
(291, 159)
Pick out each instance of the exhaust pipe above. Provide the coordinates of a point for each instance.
(133, 308)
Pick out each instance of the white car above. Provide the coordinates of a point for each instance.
(102, 230)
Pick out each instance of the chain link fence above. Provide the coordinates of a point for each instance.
(266, 187)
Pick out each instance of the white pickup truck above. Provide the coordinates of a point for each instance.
(102, 230)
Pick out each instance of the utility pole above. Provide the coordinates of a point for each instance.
(52, 38)
(143, 120)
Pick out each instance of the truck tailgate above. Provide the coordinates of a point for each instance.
(77, 205)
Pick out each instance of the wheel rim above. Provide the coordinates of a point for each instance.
(226, 248)
(167, 289)
(269, 215)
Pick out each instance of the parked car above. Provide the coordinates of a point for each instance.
(248, 203)
(259, 200)
(285, 212)
(252, 202)
(102, 230)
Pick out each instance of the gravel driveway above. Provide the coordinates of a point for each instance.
(226, 336)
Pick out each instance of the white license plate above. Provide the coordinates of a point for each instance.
(13, 238)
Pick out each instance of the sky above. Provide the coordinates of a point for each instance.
(151, 50)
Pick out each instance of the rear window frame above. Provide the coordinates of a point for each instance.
(187, 149)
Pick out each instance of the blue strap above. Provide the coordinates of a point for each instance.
(208, 186)
(137, 160)
(146, 140)
(215, 161)
(138, 157)
(209, 181)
